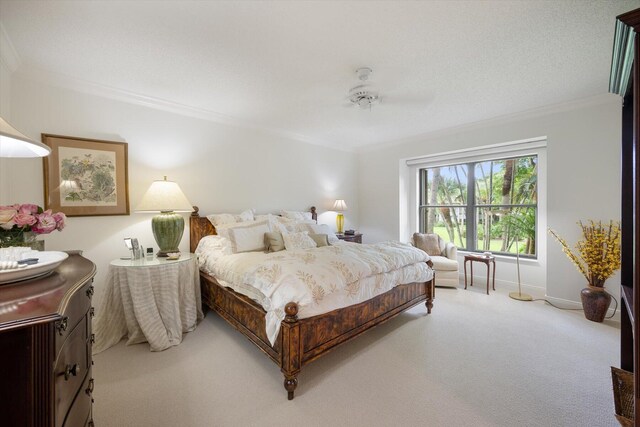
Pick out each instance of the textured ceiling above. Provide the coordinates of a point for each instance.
(287, 66)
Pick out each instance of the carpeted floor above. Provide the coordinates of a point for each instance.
(478, 360)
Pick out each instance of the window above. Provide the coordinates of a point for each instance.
(488, 205)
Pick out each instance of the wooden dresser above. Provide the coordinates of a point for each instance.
(45, 347)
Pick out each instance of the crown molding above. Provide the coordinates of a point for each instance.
(8, 55)
(603, 98)
(104, 91)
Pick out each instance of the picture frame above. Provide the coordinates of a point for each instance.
(85, 177)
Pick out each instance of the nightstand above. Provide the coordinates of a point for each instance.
(149, 300)
(355, 238)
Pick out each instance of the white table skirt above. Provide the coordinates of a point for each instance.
(156, 303)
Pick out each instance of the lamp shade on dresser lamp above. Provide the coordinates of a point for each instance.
(340, 206)
(167, 198)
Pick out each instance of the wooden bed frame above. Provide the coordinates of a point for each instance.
(302, 341)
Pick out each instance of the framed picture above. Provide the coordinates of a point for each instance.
(85, 177)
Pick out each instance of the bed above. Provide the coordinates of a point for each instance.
(302, 340)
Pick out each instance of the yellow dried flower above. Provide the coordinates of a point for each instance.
(598, 255)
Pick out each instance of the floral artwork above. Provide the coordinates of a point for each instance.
(87, 177)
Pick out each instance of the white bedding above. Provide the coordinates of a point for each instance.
(319, 280)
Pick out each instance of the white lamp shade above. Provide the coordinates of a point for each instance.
(15, 144)
(339, 206)
(164, 196)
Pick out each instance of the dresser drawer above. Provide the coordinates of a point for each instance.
(77, 308)
(80, 412)
(71, 368)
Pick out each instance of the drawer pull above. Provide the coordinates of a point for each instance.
(71, 370)
(61, 325)
(90, 291)
(90, 422)
(89, 389)
(92, 312)
(93, 338)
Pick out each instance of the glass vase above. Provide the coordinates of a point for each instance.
(10, 238)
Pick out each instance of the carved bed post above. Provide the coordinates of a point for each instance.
(291, 354)
(430, 289)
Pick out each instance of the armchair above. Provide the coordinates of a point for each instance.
(443, 255)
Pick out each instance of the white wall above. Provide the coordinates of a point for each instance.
(220, 168)
(583, 174)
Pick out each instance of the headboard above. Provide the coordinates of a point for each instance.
(200, 226)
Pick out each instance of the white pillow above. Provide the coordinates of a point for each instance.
(298, 240)
(224, 219)
(247, 237)
(245, 216)
(221, 219)
(322, 229)
(296, 215)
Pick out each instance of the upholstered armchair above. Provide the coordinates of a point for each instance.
(443, 255)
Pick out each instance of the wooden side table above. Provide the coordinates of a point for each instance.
(356, 238)
(488, 260)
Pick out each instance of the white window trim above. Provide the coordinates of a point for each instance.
(410, 181)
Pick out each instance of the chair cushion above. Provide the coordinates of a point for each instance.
(441, 263)
(430, 243)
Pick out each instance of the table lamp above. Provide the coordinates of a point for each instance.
(340, 206)
(167, 198)
(15, 144)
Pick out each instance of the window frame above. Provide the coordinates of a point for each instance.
(410, 186)
(471, 207)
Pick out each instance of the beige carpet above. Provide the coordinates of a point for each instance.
(478, 360)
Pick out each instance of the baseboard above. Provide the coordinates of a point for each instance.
(565, 303)
(539, 292)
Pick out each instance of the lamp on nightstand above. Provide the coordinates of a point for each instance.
(340, 206)
(167, 198)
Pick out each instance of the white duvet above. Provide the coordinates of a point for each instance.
(319, 280)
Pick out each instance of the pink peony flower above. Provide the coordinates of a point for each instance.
(60, 218)
(28, 208)
(23, 219)
(46, 223)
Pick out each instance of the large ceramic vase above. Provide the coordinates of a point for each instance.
(595, 303)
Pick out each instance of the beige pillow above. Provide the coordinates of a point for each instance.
(298, 240)
(273, 241)
(247, 237)
(320, 239)
(430, 243)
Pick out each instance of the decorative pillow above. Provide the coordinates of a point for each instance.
(245, 216)
(320, 239)
(298, 240)
(296, 215)
(274, 241)
(322, 229)
(430, 243)
(247, 237)
(221, 219)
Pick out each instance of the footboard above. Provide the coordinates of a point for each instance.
(302, 341)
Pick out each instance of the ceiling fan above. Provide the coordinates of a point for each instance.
(362, 95)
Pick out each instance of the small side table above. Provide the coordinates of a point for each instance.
(488, 260)
(149, 300)
(356, 238)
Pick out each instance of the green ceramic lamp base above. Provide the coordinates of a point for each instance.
(167, 230)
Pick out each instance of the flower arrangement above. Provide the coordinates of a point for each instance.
(19, 220)
(598, 256)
